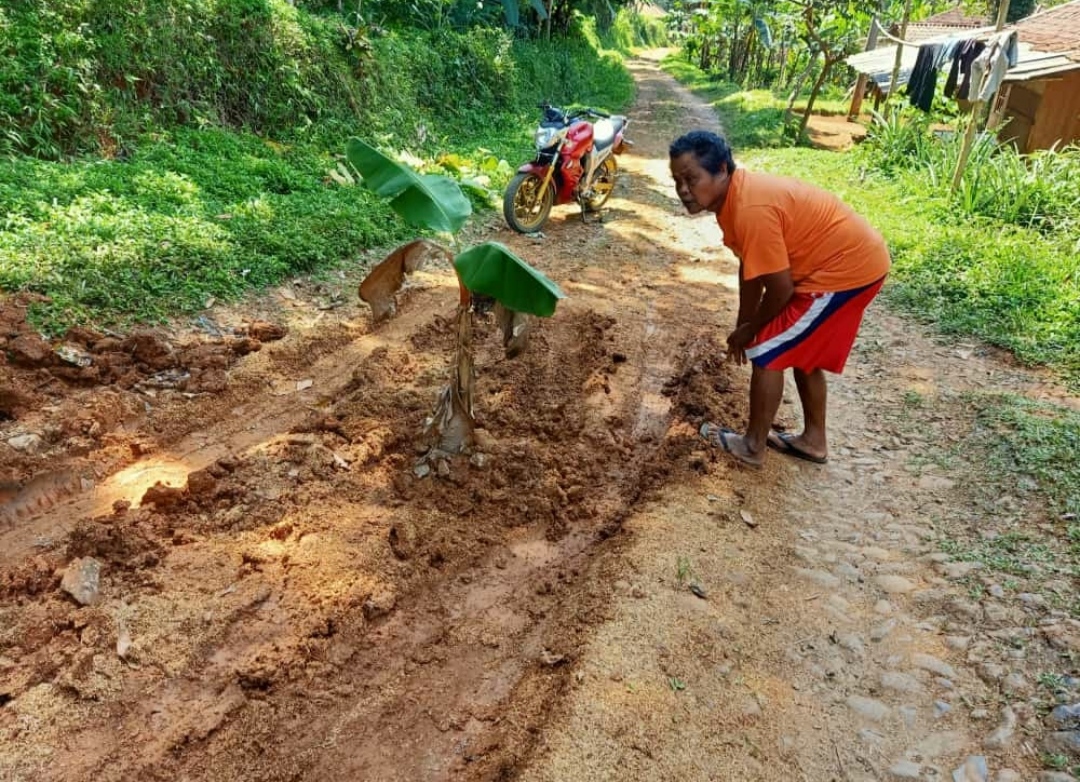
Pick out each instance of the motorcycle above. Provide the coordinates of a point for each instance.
(575, 161)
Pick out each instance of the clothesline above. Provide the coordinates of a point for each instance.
(885, 32)
(974, 32)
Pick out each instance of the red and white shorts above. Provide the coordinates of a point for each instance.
(814, 331)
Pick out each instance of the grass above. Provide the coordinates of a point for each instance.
(202, 214)
(751, 118)
(684, 571)
(1017, 460)
(1035, 445)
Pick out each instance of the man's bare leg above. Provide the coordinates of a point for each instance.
(766, 391)
(813, 395)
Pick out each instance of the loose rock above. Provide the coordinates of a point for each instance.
(82, 580)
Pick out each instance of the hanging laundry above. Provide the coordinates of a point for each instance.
(923, 79)
(948, 52)
(989, 68)
(958, 82)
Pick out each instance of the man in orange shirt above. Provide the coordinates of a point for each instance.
(808, 268)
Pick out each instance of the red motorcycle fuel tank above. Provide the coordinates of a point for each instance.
(578, 139)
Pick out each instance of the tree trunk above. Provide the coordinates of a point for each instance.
(734, 51)
(795, 90)
(829, 63)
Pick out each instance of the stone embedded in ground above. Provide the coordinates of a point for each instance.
(947, 742)
(1065, 716)
(954, 571)
(973, 770)
(1003, 733)
(990, 672)
(27, 443)
(901, 682)
(958, 642)
(894, 585)
(1016, 684)
(1055, 776)
(905, 769)
(1007, 775)
(869, 708)
(1063, 742)
(933, 664)
(379, 604)
(935, 483)
(819, 577)
(882, 630)
(82, 580)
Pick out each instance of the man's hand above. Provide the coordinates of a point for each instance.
(737, 342)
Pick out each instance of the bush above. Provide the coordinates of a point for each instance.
(1041, 190)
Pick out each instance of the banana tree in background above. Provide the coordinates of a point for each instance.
(486, 273)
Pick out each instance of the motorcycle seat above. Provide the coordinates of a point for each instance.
(605, 130)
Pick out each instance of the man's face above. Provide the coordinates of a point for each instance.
(697, 188)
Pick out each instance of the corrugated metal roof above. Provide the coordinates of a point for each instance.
(1049, 44)
(1039, 65)
(1031, 64)
(878, 63)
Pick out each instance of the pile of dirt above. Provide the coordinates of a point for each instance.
(71, 409)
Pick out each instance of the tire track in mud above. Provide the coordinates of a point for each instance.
(44, 507)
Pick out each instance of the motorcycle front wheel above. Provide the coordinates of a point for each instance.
(603, 184)
(525, 208)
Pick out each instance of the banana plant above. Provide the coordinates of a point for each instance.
(486, 272)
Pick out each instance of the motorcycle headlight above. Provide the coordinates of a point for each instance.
(545, 137)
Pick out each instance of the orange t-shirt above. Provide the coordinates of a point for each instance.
(774, 223)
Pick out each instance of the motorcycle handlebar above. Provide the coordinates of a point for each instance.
(589, 111)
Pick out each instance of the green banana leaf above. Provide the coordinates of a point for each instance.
(491, 269)
(431, 201)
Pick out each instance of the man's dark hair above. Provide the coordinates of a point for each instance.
(711, 150)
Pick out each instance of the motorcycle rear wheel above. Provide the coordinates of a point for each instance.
(603, 184)
(524, 207)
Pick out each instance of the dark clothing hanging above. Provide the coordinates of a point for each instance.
(923, 80)
(958, 83)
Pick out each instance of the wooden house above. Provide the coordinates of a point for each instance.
(1040, 98)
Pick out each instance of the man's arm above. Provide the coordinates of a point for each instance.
(749, 297)
(760, 300)
(778, 290)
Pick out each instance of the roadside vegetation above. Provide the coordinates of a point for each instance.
(157, 156)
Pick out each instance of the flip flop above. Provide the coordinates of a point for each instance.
(718, 436)
(782, 442)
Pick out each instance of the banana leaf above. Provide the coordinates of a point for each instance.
(491, 269)
(424, 201)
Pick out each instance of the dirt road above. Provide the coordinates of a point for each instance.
(290, 601)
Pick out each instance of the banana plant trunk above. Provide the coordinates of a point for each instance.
(453, 422)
